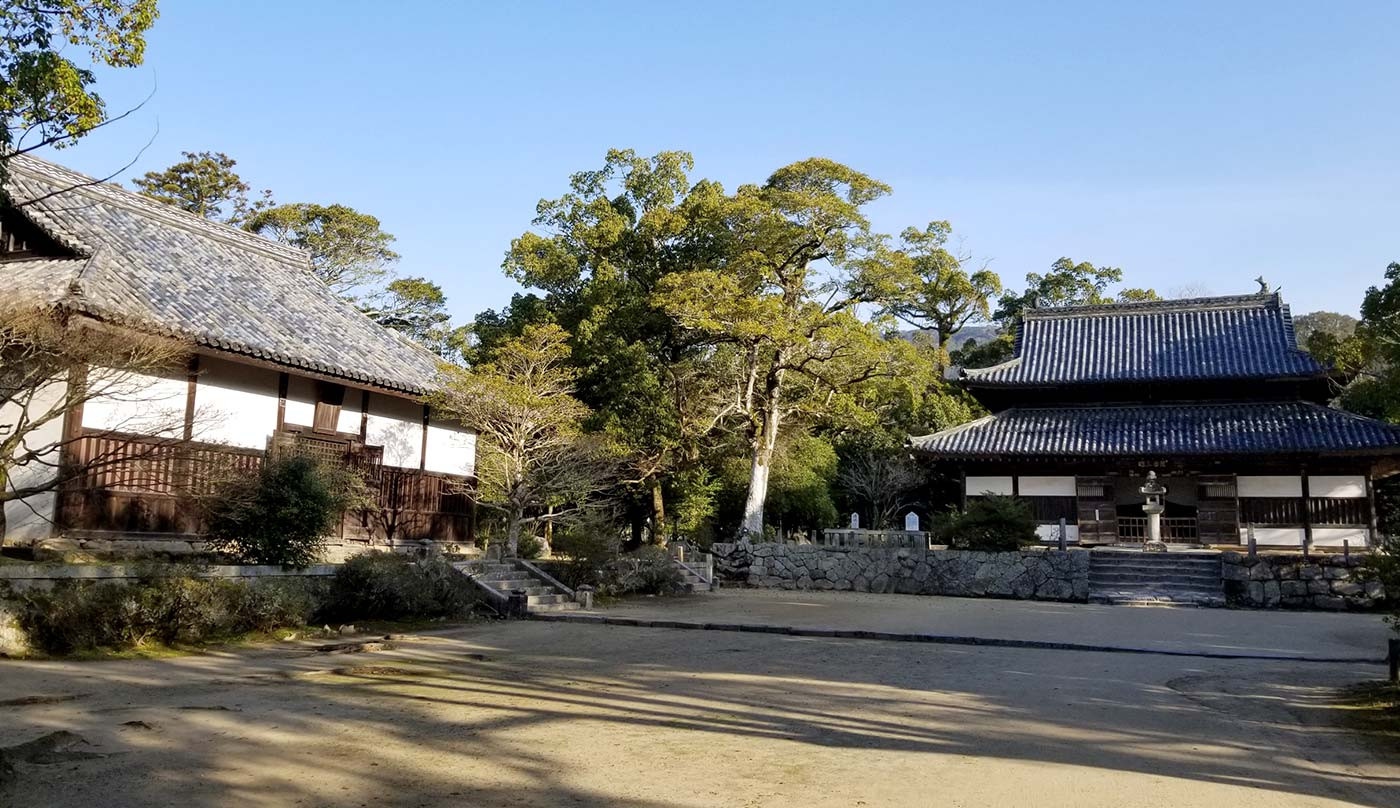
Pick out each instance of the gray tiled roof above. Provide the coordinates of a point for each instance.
(1163, 430)
(150, 266)
(1241, 337)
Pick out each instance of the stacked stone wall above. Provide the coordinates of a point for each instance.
(1330, 581)
(1040, 574)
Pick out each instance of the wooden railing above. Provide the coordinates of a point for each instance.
(855, 538)
(138, 484)
(1176, 529)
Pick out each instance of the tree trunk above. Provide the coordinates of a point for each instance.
(513, 534)
(763, 446)
(658, 513)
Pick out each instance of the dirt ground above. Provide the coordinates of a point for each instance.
(578, 715)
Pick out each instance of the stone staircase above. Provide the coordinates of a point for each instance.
(501, 578)
(695, 581)
(1141, 578)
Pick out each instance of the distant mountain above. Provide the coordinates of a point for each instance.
(981, 333)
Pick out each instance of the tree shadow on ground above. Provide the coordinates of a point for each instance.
(550, 714)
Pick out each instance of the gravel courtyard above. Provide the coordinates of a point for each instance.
(552, 714)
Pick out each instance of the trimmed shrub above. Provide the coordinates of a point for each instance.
(387, 586)
(648, 571)
(168, 607)
(990, 523)
(585, 549)
(282, 514)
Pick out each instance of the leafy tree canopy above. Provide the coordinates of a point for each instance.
(205, 184)
(45, 97)
(349, 250)
(931, 288)
(1069, 284)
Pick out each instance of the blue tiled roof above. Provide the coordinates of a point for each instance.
(1163, 429)
(1241, 337)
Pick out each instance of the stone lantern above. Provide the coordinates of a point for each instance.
(1154, 494)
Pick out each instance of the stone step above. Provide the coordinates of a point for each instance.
(1116, 556)
(531, 590)
(1148, 562)
(1114, 576)
(1157, 599)
(548, 600)
(568, 606)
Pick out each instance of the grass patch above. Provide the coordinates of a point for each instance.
(1373, 709)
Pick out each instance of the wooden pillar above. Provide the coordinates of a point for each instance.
(283, 382)
(1373, 532)
(69, 498)
(423, 455)
(1307, 513)
(193, 383)
(364, 417)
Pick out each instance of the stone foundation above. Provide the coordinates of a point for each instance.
(1040, 574)
(1329, 581)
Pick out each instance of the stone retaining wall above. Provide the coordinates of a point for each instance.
(1040, 574)
(20, 577)
(1292, 581)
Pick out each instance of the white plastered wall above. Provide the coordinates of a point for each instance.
(451, 448)
(32, 518)
(1052, 532)
(1270, 486)
(397, 425)
(137, 403)
(1046, 486)
(235, 404)
(978, 486)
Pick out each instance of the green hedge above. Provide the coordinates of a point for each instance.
(173, 605)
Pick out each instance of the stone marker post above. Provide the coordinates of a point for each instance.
(911, 522)
(1064, 537)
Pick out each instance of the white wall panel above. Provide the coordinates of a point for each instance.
(135, 402)
(32, 518)
(397, 425)
(451, 448)
(1046, 486)
(1270, 486)
(977, 486)
(1274, 536)
(349, 420)
(1334, 536)
(301, 402)
(235, 404)
(1341, 486)
(1052, 532)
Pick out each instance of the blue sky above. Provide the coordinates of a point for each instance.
(1194, 145)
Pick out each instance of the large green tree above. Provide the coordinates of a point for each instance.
(933, 289)
(350, 252)
(797, 258)
(535, 464)
(46, 97)
(598, 253)
(1068, 283)
(205, 184)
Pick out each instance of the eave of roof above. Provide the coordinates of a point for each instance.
(1164, 430)
(1242, 337)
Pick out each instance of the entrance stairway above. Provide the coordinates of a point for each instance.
(1142, 578)
(500, 578)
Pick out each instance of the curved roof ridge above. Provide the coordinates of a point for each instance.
(44, 171)
(1264, 300)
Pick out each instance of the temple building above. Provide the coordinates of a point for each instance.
(1212, 394)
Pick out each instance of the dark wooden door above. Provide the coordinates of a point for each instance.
(1217, 509)
(1098, 515)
